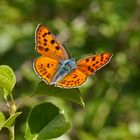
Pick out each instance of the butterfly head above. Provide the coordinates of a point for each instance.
(69, 65)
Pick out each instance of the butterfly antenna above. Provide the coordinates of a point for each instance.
(69, 54)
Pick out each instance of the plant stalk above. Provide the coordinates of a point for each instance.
(12, 111)
(12, 133)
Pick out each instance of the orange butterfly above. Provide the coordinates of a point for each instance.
(54, 65)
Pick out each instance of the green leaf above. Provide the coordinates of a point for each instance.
(52, 130)
(2, 120)
(9, 122)
(7, 79)
(70, 94)
(45, 122)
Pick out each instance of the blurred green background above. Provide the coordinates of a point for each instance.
(112, 95)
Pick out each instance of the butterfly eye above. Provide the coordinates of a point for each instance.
(67, 67)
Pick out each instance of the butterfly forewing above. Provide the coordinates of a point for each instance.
(47, 44)
(89, 65)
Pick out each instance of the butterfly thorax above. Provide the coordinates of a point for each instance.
(65, 67)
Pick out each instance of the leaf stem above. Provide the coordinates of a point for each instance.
(12, 110)
(7, 103)
(13, 106)
(12, 133)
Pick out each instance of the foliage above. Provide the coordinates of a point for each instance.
(112, 103)
(44, 121)
(71, 94)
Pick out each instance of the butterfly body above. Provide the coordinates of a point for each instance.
(65, 67)
(54, 65)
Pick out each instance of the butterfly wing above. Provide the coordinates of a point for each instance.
(47, 44)
(85, 67)
(89, 65)
(46, 67)
(73, 80)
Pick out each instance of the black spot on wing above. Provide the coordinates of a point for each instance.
(88, 68)
(52, 41)
(40, 48)
(45, 40)
(75, 76)
(92, 70)
(48, 65)
(102, 57)
(46, 49)
(48, 75)
(44, 34)
(57, 47)
(87, 60)
(93, 59)
(44, 73)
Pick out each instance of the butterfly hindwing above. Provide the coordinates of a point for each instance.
(73, 79)
(47, 44)
(46, 68)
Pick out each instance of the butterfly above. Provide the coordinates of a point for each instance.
(54, 65)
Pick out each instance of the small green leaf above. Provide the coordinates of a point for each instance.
(71, 94)
(52, 130)
(2, 120)
(9, 122)
(45, 122)
(7, 78)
